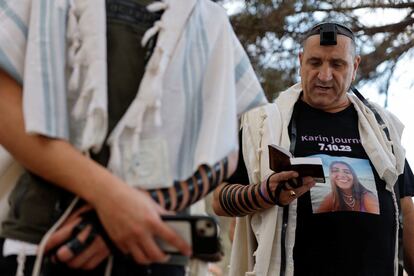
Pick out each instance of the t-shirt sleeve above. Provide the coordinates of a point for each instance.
(240, 176)
(406, 182)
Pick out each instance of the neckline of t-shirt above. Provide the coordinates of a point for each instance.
(305, 106)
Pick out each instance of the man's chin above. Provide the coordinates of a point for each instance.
(323, 91)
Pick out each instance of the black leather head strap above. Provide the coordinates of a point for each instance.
(328, 32)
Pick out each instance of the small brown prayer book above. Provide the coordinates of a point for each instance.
(282, 160)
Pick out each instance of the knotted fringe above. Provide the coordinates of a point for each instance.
(41, 250)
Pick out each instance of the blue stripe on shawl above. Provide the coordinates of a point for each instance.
(7, 65)
(14, 17)
(57, 48)
(258, 100)
(62, 44)
(185, 146)
(241, 68)
(44, 63)
(54, 88)
(203, 39)
(196, 57)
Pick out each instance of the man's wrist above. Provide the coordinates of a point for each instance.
(106, 188)
(264, 194)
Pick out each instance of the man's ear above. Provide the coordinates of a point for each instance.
(300, 58)
(357, 60)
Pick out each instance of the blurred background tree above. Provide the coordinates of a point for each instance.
(271, 30)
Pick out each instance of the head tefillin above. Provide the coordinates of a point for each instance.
(328, 32)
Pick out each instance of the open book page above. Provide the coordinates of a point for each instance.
(281, 159)
(305, 160)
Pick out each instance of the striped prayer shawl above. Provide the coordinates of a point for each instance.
(198, 80)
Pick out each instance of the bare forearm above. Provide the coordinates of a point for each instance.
(53, 159)
(407, 208)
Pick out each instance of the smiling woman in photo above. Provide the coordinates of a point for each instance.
(347, 194)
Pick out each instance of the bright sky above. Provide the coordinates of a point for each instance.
(400, 102)
(400, 93)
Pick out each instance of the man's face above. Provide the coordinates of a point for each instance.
(327, 72)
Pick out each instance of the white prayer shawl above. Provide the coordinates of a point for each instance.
(256, 246)
(197, 82)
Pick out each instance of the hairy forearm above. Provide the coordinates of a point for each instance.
(55, 160)
(184, 193)
(407, 208)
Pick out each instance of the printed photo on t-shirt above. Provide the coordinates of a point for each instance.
(350, 186)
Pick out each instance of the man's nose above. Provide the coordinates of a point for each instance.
(325, 73)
